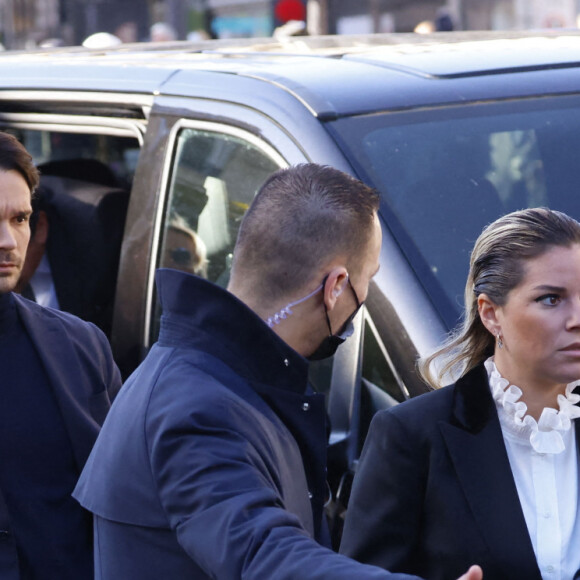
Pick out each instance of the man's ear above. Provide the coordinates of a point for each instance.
(488, 312)
(335, 284)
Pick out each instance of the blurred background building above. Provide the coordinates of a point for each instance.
(30, 23)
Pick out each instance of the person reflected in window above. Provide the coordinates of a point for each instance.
(184, 249)
(486, 470)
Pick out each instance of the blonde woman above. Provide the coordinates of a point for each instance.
(486, 470)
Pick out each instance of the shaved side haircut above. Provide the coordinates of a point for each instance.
(301, 219)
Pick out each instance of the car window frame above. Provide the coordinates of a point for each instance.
(164, 191)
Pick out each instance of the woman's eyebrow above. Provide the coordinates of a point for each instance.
(549, 288)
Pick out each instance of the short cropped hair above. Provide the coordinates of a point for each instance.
(301, 218)
(14, 157)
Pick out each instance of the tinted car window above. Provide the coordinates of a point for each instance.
(106, 159)
(446, 173)
(214, 179)
(85, 183)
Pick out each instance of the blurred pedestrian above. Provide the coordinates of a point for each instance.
(486, 470)
(443, 21)
(127, 32)
(162, 32)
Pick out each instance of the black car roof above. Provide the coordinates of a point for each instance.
(333, 76)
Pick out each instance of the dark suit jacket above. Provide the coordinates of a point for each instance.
(78, 362)
(86, 224)
(434, 491)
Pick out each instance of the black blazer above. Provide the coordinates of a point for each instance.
(80, 367)
(86, 224)
(434, 492)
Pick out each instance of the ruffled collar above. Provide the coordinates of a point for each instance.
(545, 435)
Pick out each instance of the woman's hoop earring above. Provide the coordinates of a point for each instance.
(499, 340)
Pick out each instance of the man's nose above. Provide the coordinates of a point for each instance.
(7, 238)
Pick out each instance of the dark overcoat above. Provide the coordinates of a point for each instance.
(211, 463)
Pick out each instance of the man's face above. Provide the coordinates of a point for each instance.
(15, 210)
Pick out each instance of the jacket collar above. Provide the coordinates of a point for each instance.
(472, 402)
(203, 315)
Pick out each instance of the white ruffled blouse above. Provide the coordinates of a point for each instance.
(544, 460)
(545, 435)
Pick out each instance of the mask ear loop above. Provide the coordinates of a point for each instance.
(287, 310)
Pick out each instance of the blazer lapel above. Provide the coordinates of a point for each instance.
(66, 376)
(475, 444)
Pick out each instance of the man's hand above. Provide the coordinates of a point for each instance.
(474, 573)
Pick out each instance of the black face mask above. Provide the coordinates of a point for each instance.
(330, 343)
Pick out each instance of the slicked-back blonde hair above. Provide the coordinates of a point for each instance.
(496, 267)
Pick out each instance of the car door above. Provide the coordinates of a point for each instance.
(201, 165)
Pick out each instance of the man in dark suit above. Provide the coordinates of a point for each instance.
(216, 446)
(57, 378)
(73, 254)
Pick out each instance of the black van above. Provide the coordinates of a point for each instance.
(157, 150)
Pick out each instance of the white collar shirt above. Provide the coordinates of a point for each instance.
(43, 286)
(544, 461)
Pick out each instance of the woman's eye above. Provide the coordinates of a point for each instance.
(549, 299)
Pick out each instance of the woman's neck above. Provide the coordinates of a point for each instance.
(537, 402)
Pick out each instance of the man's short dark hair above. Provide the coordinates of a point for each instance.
(301, 218)
(14, 157)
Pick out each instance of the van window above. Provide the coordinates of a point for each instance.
(214, 179)
(105, 159)
(447, 172)
(82, 199)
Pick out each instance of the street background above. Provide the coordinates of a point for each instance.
(28, 24)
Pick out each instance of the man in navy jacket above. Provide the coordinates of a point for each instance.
(211, 463)
(57, 376)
